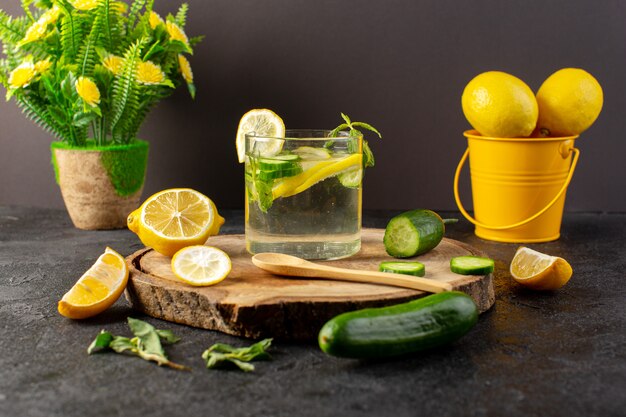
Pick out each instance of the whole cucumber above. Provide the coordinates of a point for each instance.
(420, 324)
(413, 233)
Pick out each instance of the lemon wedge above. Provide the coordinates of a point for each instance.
(173, 219)
(314, 174)
(201, 265)
(261, 122)
(539, 271)
(97, 289)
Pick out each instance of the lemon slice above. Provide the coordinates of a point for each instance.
(539, 271)
(263, 122)
(201, 265)
(97, 289)
(173, 219)
(314, 174)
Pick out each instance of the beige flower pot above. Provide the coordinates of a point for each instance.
(100, 186)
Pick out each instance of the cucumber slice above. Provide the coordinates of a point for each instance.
(280, 173)
(310, 153)
(352, 178)
(267, 164)
(471, 265)
(416, 269)
(287, 157)
(413, 233)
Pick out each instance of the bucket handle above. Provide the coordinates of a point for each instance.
(523, 222)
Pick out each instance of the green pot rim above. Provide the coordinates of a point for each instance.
(91, 146)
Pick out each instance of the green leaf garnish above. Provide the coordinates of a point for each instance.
(146, 344)
(221, 355)
(368, 155)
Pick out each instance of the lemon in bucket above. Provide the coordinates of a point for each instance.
(500, 105)
(569, 101)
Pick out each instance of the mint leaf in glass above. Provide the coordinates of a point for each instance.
(368, 155)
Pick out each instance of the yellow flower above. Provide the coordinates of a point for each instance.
(114, 64)
(38, 30)
(88, 91)
(43, 66)
(176, 33)
(84, 4)
(150, 73)
(22, 75)
(51, 16)
(185, 68)
(155, 20)
(35, 32)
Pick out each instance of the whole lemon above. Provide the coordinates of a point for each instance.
(569, 100)
(500, 105)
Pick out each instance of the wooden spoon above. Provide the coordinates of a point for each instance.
(281, 264)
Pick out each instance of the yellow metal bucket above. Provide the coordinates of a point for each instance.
(518, 186)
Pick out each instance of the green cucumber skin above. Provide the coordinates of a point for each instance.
(406, 328)
(430, 229)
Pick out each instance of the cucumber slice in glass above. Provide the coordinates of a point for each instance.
(416, 269)
(309, 153)
(281, 173)
(287, 157)
(273, 164)
(471, 265)
(351, 178)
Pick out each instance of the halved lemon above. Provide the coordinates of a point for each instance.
(263, 122)
(173, 219)
(539, 271)
(97, 289)
(201, 265)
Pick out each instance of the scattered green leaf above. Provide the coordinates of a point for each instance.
(221, 355)
(146, 344)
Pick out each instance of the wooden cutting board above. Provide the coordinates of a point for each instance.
(253, 303)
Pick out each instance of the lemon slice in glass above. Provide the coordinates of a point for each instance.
(314, 174)
(539, 271)
(201, 265)
(97, 289)
(261, 122)
(173, 219)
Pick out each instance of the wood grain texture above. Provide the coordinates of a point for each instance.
(254, 303)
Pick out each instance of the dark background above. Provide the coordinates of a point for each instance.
(398, 64)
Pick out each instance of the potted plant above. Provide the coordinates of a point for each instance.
(89, 72)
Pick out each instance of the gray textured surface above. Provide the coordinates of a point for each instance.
(398, 64)
(548, 354)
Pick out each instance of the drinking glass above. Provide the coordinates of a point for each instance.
(303, 194)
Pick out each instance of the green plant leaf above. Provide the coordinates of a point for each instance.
(346, 118)
(181, 15)
(335, 131)
(368, 155)
(222, 355)
(368, 127)
(178, 47)
(146, 343)
(68, 87)
(121, 344)
(83, 119)
(101, 342)
(168, 336)
(58, 115)
(150, 340)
